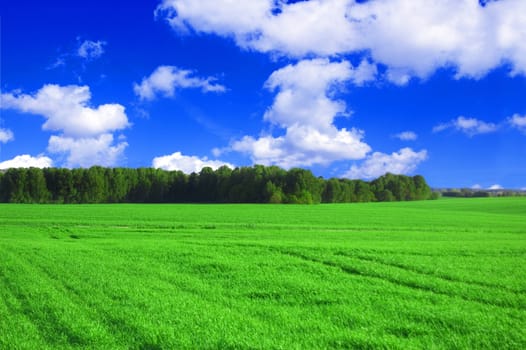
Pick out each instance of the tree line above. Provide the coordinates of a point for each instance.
(478, 193)
(256, 184)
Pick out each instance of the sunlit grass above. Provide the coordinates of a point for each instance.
(435, 274)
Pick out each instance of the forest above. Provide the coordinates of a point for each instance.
(255, 184)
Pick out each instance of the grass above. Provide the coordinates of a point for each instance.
(437, 275)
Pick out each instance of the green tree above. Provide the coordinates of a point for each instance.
(363, 192)
(207, 185)
(385, 196)
(333, 191)
(177, 185)
(118, 184)
(256, 184)
(422, 189)
(14, 186)
(273, 193)
(36, 187)
(223, 175)
(95, 185)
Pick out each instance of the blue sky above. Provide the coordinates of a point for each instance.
(345, 88)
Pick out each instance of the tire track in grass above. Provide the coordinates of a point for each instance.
(222, 300)
(59, 321)
(24, 286)
(26, 295)
(118, 329)
(443, 322)
(489, 294)
(426, 272)
(203, 295)
(129, 305)
(100, 302)
(278, 297)
(16, 328)
(352, 270)
(163, 281)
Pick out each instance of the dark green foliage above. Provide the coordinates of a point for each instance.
(479, 193)
(257, 184)
(36, 186)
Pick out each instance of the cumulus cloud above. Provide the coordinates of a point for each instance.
(186, 164)
(305, 107)
(85, 131)
(6, 135)
(403, 162)
(223, 17)
(305, 91)
(404, 38)
(27, 161)
(469, 126)
(518, 121)
(304, 146)
(495, 187)
(267, 25)
(406, 136)
(91, 50)
(87, 151)
(166, 79)
(409, 37)
(66, 108)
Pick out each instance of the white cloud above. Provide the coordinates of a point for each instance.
(377, 164)
(476, 187)
(305, 89)
(86, 132)
(85, 152)
(225, 17)
(469, 126)
(406, 136)
(6, 135)
(495, 187)
(86, 50)
(295, 29)
(518, 121)
(442, 127)
(66, 108)
(186, 164)
(411, 37)
(304, 146)
(406, 38)
(305, 108)
(27, 161)
(302, 28)
(165, 79)
(91, 49)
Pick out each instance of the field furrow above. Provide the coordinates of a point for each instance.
(431, 271)
(439, 275)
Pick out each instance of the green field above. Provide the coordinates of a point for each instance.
(447, 274)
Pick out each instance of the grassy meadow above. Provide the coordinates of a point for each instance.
(446, 274)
